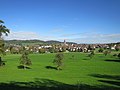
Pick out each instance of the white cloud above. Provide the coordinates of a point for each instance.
(26, 35)
(75, 37)
(21, 35)
(97, 38)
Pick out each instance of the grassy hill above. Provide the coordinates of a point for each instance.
(79, 73)
(33, 42)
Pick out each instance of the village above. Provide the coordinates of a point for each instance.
(61, 47)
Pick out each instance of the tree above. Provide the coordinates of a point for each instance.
(89, 47)
(2, 47)
(2, 63)
(91, 54)
(119, 55)
(51, 50)
(42, 50)
(59, 60)
(64, 48)
(100, 50)
(116, 48)
(106, 52)
(3, 29)
(24, 59)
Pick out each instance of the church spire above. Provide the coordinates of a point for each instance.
(64, 42)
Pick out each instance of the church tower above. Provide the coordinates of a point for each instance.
(64, 42)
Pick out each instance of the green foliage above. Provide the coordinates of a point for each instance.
(2, 63)
(116, 48)
(25, 60)
(91, 54)
(58, 60)
(64, 48)
(42, 50)
(106, 52)
(2, 47)
(89, 47)
(51, 50)
(115, 55)
(119, 55)
(3, 29)
(100, 50)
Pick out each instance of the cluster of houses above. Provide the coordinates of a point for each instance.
(63, 47)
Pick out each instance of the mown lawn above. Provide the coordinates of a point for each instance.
(99, 71)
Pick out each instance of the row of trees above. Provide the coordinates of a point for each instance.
(106, 52)
(25, 60)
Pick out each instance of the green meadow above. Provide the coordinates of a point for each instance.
(80, 71)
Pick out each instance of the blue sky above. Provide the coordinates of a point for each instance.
(81, 21)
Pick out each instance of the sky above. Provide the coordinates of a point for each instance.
(80, 21)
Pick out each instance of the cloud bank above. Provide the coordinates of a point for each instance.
(75, 37)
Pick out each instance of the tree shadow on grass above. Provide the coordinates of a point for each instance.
(111, 82)
(23, 67)
(46, 84)
(51, 67)
(112, 79)
(115, 77)
(113, 60)
(85, 59)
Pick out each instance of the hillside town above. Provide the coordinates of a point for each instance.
(60, 47)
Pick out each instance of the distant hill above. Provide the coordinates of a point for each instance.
(29, 42)
(53, 42)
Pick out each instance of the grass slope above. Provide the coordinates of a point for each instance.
(80, 69)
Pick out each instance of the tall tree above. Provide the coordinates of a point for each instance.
(58, 60)
(3, 29)
(2, 47)
(24, 59)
